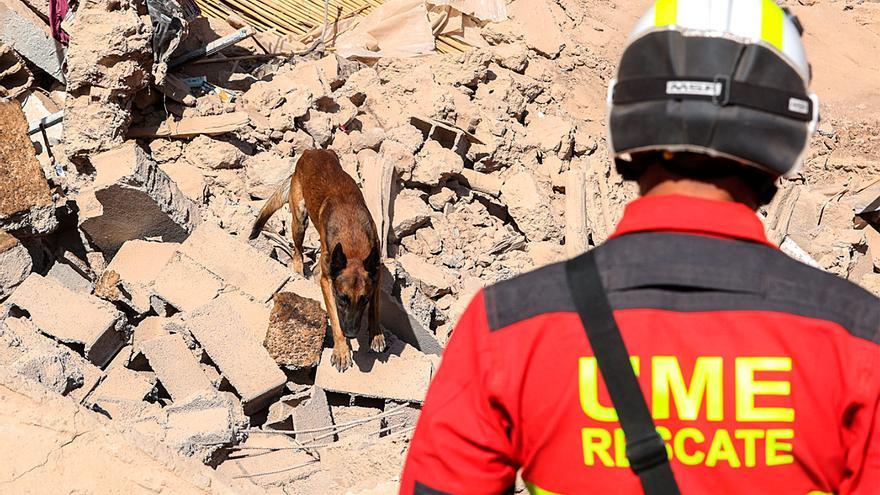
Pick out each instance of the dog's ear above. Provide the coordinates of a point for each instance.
(338, 261)
(371, 264)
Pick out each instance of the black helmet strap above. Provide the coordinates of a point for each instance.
(720, 90)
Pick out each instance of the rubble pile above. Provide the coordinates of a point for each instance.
(132, 300)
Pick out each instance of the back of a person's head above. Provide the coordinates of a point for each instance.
(713, 88)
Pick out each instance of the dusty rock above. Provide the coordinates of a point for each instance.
(123, 384)
(485, 183)
(312, 414)
(378, 181)
(368, 139)
(71, 317)
(539, 28)
(202, 424)
(265, 172)
(138, 264)
(435, 164)
(242, 359)
(25, 202)
(270, 461)
(296, 331)
(552, 135)
(28, 34)
(30, 355)
(408, 135)
(108, 61)
(513, 56)
(207, 152)
(131, 198)
(409, 213)
(319, 125)
(166, 150)
(174, 364)
(69, 276)
(527, 203)
(85, 452)
(399, 156)
(431, 279)
(15, 264)
(576, 222)
(185, 284)
(224, 256)
(189, 179)
(400, 373)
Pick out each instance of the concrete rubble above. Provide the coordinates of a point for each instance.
(132, 300)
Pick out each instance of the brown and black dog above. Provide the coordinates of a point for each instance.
(320, 190)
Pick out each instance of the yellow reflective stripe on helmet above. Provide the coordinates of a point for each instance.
(536, 490)
(771, 23)
(665, 12)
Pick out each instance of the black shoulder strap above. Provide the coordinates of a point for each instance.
(645, 449)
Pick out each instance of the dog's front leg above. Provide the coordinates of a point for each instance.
(341, 357)
(377, 337)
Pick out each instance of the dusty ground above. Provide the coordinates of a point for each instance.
(142, 307)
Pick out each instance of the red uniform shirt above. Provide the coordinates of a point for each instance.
(762, 374)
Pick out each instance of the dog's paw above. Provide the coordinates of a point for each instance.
(341, 358)
(377, 344)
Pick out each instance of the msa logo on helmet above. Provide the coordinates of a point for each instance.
(695, 88)
(798, 105)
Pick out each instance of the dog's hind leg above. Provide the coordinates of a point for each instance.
(299, 223)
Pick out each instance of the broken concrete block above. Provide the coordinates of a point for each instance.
(223, 333)
(72, 318)
(431, 279)
(367, 139)
(539, 29)
(409, 213)
(305, 288)
(265, 172)
(96, 454)
(132, 198)
(138, 264)
(552, 135)
(26, 204)
(15, 264)
(30, 355)
(185, 284)
(435, 164)
(235, 262)
(16, 78)
(202, 424)
(123, 384)
(207, 152)
(378, 180)
(408, 135)
(319, 125)
(485, 183)
(109, 60)
(528, 203)
(296, 331)
(43, 360)
(312, 414)
(69, 276)
(29, 35)
(399, 157)
(189, 179)
(269, 460)
(400, 373)
(175, 365)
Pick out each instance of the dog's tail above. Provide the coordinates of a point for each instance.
(274, 203)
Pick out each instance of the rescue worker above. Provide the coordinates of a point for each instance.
(761, 374)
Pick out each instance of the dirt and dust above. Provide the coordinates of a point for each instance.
(478, 162)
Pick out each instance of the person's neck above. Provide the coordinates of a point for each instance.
(659, 182)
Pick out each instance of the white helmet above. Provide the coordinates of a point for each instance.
(725, 78)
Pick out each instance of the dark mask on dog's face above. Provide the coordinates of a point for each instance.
(353, 283)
